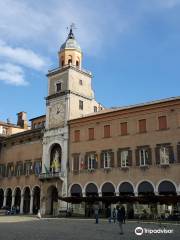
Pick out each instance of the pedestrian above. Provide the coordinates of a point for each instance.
(39, 214)
(120, 219)
(96, 214)
(109, 214)
(114, 214)
(124, 213)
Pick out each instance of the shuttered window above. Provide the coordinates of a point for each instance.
(107, 131)
(77, 135)
(142, 126)
(91, 133)
(124, 128)
(76, 162)
(162, 122)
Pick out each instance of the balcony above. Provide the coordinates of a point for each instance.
(51, 175)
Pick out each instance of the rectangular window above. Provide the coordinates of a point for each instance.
(91, 161)
(107, 131)
(76, 162)
(142, 126)
(164, 155)
(37, 168)
(80, 105)
(124, 158)
(95, 109)
(162, 122)
(143, 156)
(28, 168)
(80, 82)
(58, 87)
(77, 135)
(2, 170)
(107, 159)
(91, 133)
(124, 128)
(19, 169)
(10, 170)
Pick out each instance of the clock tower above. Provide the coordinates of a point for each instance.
(70, 95)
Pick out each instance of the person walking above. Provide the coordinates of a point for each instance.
(120, 219)
(114, 214)
(96, 214)
(124, 213)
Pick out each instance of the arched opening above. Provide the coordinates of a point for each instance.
(8, 198)
(77, 63)
(91, 190)
(55, 158)
(52, 200)
(36, 199)
(167, 188)
(69, 59)
(1, 197)
(145, 188)
(27, 198)
(17, 200)
(126, 189)
(76, 190)
(108, 189)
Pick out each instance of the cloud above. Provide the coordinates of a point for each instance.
(12, 74)
(21, 56)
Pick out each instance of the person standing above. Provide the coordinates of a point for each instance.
(120, 219)
(114, 214)
(96, 214)
(124, 213)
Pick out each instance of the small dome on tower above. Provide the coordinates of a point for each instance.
(70, 43)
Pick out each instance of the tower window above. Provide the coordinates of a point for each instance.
(62, 63)
(69, 61)
(95, 109)
(80, 105)
(77, 63)
(80, 82)
(58, 87)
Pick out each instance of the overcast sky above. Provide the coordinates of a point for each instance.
(131, 47)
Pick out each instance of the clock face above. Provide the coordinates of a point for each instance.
(56, 114)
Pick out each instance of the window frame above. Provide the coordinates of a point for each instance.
(106, 160)
(165, 148)
(144, 161)
(81, 105)
(124, 160)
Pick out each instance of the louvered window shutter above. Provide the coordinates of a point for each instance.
(157, 153)
(129, 157)
(137, 158)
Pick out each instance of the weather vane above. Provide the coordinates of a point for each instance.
(72, 26)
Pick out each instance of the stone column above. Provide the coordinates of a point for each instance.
(117, 194)
(83, 194)
(31, 203)
(4, 201)
(100, 194)
(13, 200)
(22, 204)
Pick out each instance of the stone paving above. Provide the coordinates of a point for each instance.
(30, 228)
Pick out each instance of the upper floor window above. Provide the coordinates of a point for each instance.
(58, 87)
(80, 105)
(164, 155)
(162, 122)
(10, 169)
(124, 158)
(124, 128)
(143, 156)
(2, 170)
(77, 135)
(28, 168)
(142, 126)
(75, 166)
(107, 159)
(19, 169)
(91, 161)
(95, 109)
(37, 168)
(91, 133)
(80, 82)
(107, 131)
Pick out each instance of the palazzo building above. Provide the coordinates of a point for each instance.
(79, 150)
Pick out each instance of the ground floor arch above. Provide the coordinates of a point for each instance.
(126, 188)
(52, 200)
(27, 198)
(1, 197)
(8, 198)
(36, 199)
(76, 190)
(167, 188)
(17, 199)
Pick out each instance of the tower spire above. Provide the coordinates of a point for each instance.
(71, 34)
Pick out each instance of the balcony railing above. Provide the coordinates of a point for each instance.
(51, 175)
